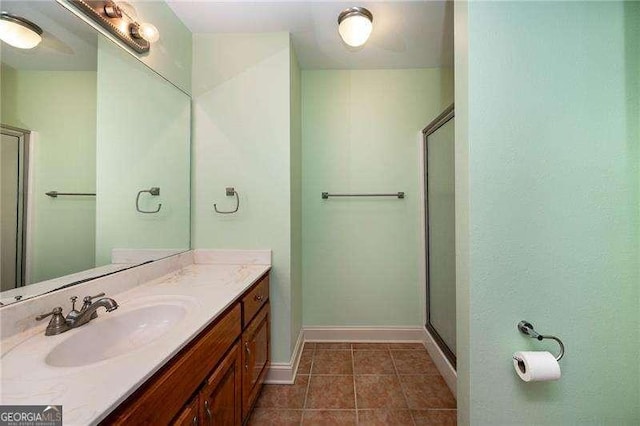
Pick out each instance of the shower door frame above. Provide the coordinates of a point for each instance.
(442, 119)
(24, 152)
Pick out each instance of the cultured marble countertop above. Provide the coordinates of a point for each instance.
(89, 393)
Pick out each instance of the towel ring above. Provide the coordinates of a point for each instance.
(155, 191)
(230, 191)
(527, 329)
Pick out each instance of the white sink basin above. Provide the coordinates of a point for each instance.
(116, 335)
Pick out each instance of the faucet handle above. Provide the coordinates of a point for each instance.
(90, 298)
(55, 311)
(58, 323)
(73, 313)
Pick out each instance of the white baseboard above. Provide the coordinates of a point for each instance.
(364, 334)
(284, 373)
(447, 371)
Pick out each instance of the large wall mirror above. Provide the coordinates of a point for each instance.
(94, 158)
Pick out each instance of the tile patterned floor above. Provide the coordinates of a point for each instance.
(359, 384)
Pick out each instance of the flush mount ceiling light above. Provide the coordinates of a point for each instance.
(19, 32)
(355, 25)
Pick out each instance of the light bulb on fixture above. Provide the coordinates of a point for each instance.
(355, 25)
(19, 32)
(145, 31)
(149, 32)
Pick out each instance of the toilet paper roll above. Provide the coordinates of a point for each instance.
(536, 366)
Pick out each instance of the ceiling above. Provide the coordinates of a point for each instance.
(406, 34)
(67, 42)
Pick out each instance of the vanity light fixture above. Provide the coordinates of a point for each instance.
(121, 21)
(137, 30)
(19, 32)
(355, 25)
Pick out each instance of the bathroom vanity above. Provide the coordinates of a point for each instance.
(216, 378)
(188, 344)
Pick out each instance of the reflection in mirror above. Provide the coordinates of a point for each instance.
(85, 127)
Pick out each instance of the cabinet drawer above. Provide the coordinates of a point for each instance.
(253, 301)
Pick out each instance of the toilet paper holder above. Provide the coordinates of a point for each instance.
(527, 329)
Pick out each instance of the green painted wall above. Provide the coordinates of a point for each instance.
(143, 140)
(296, 197)
(361, 133)
(548, 109)
(60, 107)
(242, 134)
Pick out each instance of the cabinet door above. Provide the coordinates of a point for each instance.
(255, 357)
(189, 415)
(221, 395)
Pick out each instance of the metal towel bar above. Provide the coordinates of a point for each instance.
(55, 194)
(326, 195)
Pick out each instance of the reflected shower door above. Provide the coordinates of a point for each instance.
(12, 186)
(440, 232)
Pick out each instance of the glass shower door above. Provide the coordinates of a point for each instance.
(440, 232)
(13, 165)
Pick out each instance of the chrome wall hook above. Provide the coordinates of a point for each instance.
(230, 191)
(155, 191)
(527, 329)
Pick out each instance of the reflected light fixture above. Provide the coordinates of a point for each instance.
(19, 32)
(146, 31)
(355, 25)
(138, 30)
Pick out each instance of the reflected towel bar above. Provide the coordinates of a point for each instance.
(54, 194)
(326, 195)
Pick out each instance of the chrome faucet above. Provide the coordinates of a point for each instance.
(59, 324)
(89, 310)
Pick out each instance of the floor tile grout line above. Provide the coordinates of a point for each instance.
(306, 393)
(406, 400)
(355, 394)
(330, 409)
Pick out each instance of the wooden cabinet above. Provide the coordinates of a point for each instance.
(221, 394)
(190, 415)
(255, 358)
(216, 378)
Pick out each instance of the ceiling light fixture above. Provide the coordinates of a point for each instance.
(19, 32)
(355, 25)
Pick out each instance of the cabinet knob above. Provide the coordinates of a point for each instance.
(195, 420)
(257, 298)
